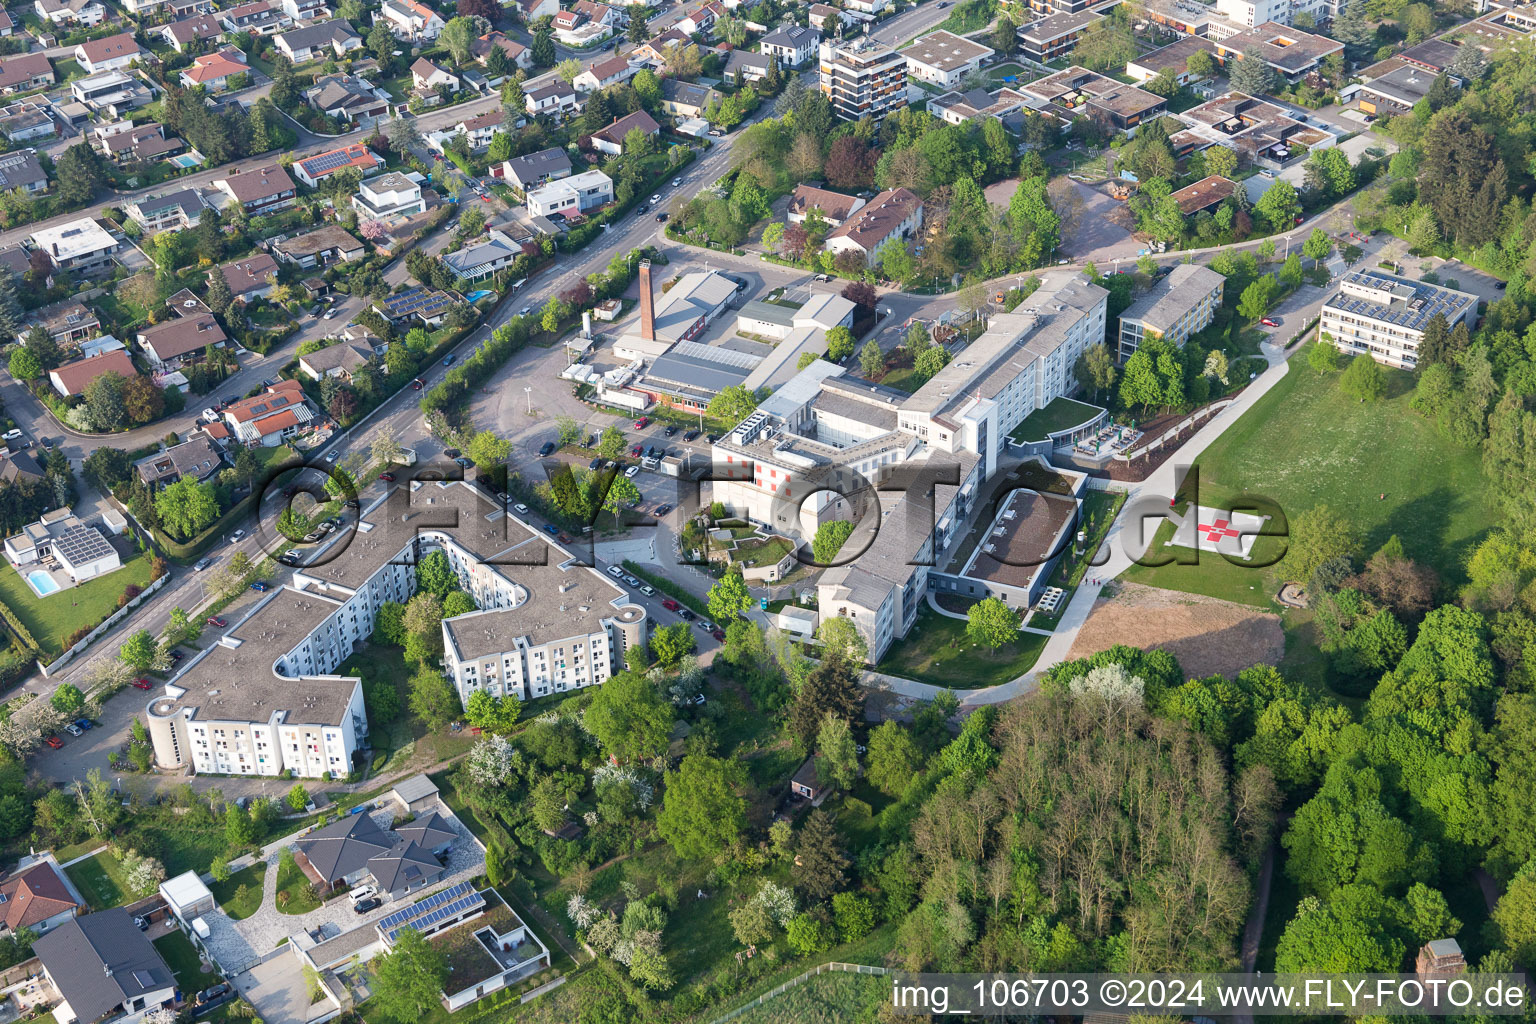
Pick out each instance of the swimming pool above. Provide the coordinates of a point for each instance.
(477, 296)
(42, 582)
(185, 160)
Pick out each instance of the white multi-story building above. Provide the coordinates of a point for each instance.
(1384, 316)
(943, 58)
(1178, 306)
(264, 697)
(576, 194)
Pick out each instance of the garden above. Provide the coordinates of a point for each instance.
(937, 651)
(54, 620)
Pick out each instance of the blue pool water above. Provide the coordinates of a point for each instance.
(185, 160)
(41, 582)
(477, 296)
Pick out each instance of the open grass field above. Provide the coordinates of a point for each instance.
(1379, 463)
(937, 651)
(100, 880)
(52, 619)
(229, 896)
(831, 998)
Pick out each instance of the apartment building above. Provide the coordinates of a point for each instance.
(942, 58)
(1384, 316)
(1180, 305)
(862, 78)
(1056, 35)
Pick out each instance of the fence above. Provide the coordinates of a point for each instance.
(106, 624)
(796, 982)
(1173, 432)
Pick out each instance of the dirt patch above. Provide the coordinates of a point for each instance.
(1208, 636)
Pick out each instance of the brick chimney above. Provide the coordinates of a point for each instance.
(647, 303)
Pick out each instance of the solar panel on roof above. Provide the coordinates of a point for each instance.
(437, 915)
(453, 892)
(327, 162)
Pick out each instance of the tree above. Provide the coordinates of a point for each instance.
(1323, 355)
(492, 714)
(1363, 379)
(929, 362)
(402, 135)
(25, 365)
(850, 164)
(459, 37)
(434, 575)
(622, 493)
(1201, 64)
(829, 688)
(67, 699)
(1317, 246)
(829, 540)
(894, 759)
(1256, 298)
(432, 699)
(77, 174)
(611, 444)
(729, 597)
(104, 401)
(1279, 205)
(298, 797)
(671, 643)
(991, 623)
(1317, 535)
(871, 359)
(543, 49)
(385, 447)
(839, 635)
(819, 856)
(139, 651)
(186, 507)
(838, 757)
(488, 451)
(409, 979)
(1221, 160)
(629, 718)
(839, 344)
(702, 814)
(1251, 74)
(732, 404)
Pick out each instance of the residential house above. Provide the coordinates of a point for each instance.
(943, 58)
(103, 965)
(657, 50)
(21, 169)
(535, 169)
(1069, 94)
(516, 52)
(27, 120)
(427, 78)
(1205, 194)
(425, 304)
(214, 70)
(791, 44)
(685, 99)
(307, 10)
(483, 257)
(1290, 53)
(170, 211)
(268, 419)
(259, 18)
(744, 67)
(603, 73)
(701, 20)
(958, 107)
(1173, 58)
(14, 262)
(479, 131)
(201, 28)
(1259, 131)
(25, 73)
(1394, 91)
(115, 93)
(347, 98)
(7, 24)
(321, 247)
(67, 323)
(356, 849)
(867, 6)
(78, 245)
(890, 216)
(112, 53)
(196, 458)
(37, 898)
(260, 190)
(806, 782)
(84, 13)
(610, 140)
(835, 208)
(314, 169)
(410, 21)
(72, 378)
(249, 278)
(573, 195)
(532, 10)
(827, 19)
(340, 359)
(177, 342)
(557, 99)
(143, 142)
(388, 195)
(316, 42)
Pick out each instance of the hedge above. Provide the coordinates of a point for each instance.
(195, 548)
(21, 631)
(667, 587)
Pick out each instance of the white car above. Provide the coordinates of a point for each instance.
(632, 472)
(237, 537)
(615, 572)
(655, 199)
(520, 509)
(73, 729)
(676, 182)
(362, 893)
(12, 435)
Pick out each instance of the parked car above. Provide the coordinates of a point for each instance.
(289, 557)
(236, 537)
(647, 590)
(463, 462)
(632, 472)
(662, 217)
(417, 384)
(687, 613)
(214, 620)
(615, 572)
(259, 587)
(53, 741)
(520, 509)
(718, 634)
(671, 429)
(388, 478)
(365, 905)
(177, 655)
(595, 464)
(218, 991)
(450, 453)
(201, 564)
(12, 435)
(84, 723)
(448, 359)
(642, 422)
(142, 684)
(669, 604)
(72, 729)
(1270, 322)
(552, 529)
(363, 892)
(547, 448)
(661, 510)
(676, 182)
(690, 435)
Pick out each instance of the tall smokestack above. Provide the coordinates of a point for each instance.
(647, 303)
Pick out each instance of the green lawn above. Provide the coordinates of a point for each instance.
(1303, 444)
(52, 619)
(394, 742)
(291, 880)
(183, 959)
(1059, 414)
(227, 892)
(100, 880)
(936, 651)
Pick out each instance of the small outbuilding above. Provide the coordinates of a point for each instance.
(416, 794)
(187, 897)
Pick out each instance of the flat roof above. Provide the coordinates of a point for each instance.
(946, 51)
(561, 602)
(1021, 544)
(1400, 301)
(1175, 55)
(1173, 296)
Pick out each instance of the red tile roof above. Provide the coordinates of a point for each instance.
(34, 894)
(76, 375)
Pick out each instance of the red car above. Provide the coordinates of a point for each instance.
(214, 620)
(142, 684)
(388, 478)
(53, 741)
(669, 604)
(635, 451)
(718, 634)
(642, 422)
(417, 384)
(1267, 322)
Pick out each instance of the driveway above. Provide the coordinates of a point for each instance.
(279, 992)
